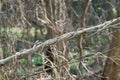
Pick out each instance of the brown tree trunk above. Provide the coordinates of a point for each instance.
(112, 67)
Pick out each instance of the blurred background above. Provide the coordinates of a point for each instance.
(23, 22)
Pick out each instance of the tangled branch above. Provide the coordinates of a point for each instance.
(40, 46)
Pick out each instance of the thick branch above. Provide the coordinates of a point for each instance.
(66, 36)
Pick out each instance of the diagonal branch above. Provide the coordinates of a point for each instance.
(66, 36)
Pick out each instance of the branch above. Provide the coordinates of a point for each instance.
(66, 36)
(85, 13)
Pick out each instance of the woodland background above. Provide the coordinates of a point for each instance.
(59, 39)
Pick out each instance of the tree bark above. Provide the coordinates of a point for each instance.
(112, 68)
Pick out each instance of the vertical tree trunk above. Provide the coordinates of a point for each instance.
(112, 67)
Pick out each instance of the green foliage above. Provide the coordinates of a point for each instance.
(96, 41)
(73, 69)
(41, 38)
(114, 11)
(37, 59)
(104, 40)
(90, 59)
(16, 31)
(22, 61)
(19, 72)
(32, 31)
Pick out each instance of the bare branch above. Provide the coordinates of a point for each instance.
(67, 36)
